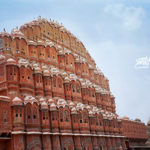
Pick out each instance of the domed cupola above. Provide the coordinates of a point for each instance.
(44, 105)
(17, 33)
(17, 102)
(53, 107)
(11, 61)
(4, 33)
(18, 114)
(30, 99)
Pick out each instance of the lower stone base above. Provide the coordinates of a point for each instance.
(62, 142)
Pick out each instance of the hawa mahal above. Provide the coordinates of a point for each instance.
(54, 97)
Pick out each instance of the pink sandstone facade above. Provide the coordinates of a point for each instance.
(53, 97)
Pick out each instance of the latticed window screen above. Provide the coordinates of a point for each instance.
(54, 82)
(61, 114)
(66, 115)
(73, 88)
(59, 83)
(78, 88)
(85, 117)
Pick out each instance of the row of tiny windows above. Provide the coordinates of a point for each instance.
(63, 117)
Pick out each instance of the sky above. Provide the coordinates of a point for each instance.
(115, 32)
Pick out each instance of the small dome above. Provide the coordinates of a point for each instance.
(41, 100)
(23, 62)
(44, 105)
(88, 107)
(61, 102)
(77, 60)
(59, 47)
(2, 57)
(95, 109)
(30, 42)
(40, 42)
(50, 101)
(61, 52)
(4, 33)
(53, 107)
(35, 65)
(17, 33)
(37, 70)
(46, 73)
(71, 104)
(125, 118)
(80, 106)
(54, 70)
(66, 80)
(16, 101)
(137, 120)
(90, 67)
(91, 113)
(74, 110)
(73, 77)
(29, 99)
(44, 67)
(11, 61)
(49, 43)
(64, 74)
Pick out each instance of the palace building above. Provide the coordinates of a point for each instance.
(54, 97)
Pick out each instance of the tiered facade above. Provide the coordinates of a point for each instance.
(53, 97)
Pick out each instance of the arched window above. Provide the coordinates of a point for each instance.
(73, 88)
(54, 82)
(97, 121)
(20, 112)
(66, 115)
(40, 77)
(59, 83)
(75, 119)
(93, 94)
(61, 114)
(85, 117)
(43, 115)
(78, 88)
(15, 72)
(5, 116)
(22, 73)
(66, 59)
(89, 93)
(35, 113)
(54, 115)
(28, 112)
(17, 44)
(80, 117)
(16, 112)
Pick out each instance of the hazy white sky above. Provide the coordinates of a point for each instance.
(115, 32)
